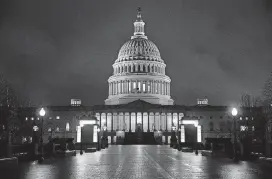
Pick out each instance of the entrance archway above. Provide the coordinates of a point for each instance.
(139, 127)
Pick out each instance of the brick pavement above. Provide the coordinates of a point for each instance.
(135, 162)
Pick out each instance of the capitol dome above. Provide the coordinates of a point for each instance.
(139, 71)
(139, 49)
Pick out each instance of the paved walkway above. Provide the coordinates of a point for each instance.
(138, 161)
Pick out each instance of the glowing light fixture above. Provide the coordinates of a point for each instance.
(42, 112)
(234, 112)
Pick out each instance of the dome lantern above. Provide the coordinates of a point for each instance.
(139, 26)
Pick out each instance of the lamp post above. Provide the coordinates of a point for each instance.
(42, 114)
(105, 139)
(99, 138)
(173, 138)
(234, 113)
(34, 140)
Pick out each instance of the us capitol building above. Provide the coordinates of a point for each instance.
(139, 101)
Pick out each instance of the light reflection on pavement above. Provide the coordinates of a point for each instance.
(138, 161)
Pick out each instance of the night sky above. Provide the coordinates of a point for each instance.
(52, 51)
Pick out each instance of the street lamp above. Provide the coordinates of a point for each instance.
(234, 113)
(105, 139)
(42, 114)
(99, 138)
(173, 139)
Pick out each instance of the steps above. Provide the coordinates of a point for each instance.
(139, 138)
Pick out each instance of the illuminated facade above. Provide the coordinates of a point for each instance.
(139, 101)
(139, 72)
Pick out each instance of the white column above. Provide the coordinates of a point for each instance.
(113, 88)
(163, 88)
(117, 83)
(129, 86)
(166, 88)
(165, 91)
(160, 87)
(169, 89)
(153, 87)
(109, 88)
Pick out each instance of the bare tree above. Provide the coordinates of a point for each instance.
(9, 105)
(267, 91)
(250, 101)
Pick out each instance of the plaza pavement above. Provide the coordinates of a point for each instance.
(138, 161)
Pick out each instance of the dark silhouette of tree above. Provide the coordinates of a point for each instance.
(10, 103)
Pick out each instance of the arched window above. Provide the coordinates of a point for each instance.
(155, 68)
(211, 126)
(129, 68)
(126, 69)
(148, 68)
(134, 68)
(67, 126)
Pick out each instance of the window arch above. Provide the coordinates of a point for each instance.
(67, 127)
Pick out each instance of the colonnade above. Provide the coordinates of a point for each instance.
(148, 121)
(137, 86)
(138, 68)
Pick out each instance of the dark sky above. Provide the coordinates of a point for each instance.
(54, 50)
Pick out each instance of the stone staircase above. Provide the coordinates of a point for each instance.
(132, 138)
